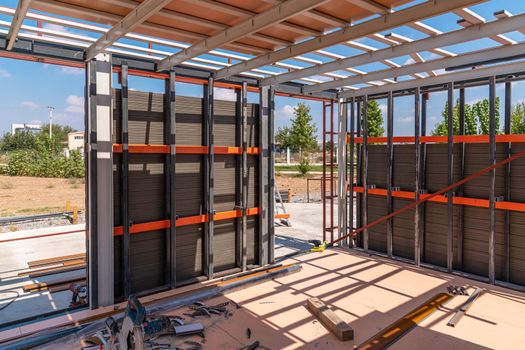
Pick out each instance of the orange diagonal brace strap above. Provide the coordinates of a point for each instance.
(430, 196)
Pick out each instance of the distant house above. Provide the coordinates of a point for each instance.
(75, 141)
(34, 128)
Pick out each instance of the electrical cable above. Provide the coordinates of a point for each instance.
(12, 300)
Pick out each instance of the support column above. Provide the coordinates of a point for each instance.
(389, 173)
(264, 195)
(450, 177)
(100, 182)
(461, 219)
(417, 211)
(365, 171)
(341, 170)
(244, 171)
(359, 155)
(352, 173)
(124, 186)
(492, 179)
(271, 168)
(207, 134)
(171, 162)
(423, 171)
(507, 190)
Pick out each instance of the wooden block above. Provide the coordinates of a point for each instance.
(56, 260)
(34, 287)
(334, 323)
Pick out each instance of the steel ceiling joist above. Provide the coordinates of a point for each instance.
(258, 22)
(386, 22)
(133, 19)
(372, 6)
(474, 32)
(460, 60)
(18, 19)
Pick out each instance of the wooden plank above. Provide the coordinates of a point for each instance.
(389, 335)
(65, 286)
(55, 260)
(61, 266)
(57, 270)
(331, 321)
(35, 287)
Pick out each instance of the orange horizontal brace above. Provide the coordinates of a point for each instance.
(444, 139)
(227, 150)
(182, 149)
(191, 149)
(471, 202)
(185, 221)
(282, 216)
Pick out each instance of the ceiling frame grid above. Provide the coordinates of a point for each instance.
(208, 51)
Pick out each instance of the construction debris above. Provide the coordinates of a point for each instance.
(333, 322)
(464, 308)
(457, 290)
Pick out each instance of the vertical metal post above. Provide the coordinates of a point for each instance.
(507, 174)
(332, 184)
(450, 176)
(244, 105)
(492, 178)
(352, 173)
(365, 171)
(341, 170)
(101, 251)
(359, 155)
(461, 219)
(389, 172)
(264, 175)
(124, 189)
(417, 211)
(423, 172)
(208, 177)
(271, 180)
(171, 163)
(323, 179)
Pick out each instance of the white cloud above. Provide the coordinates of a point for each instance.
(406, 119)
(36, 121)
(286, 112)
(383, 108)
(410, 60)
(4, 74)
(75, 104)
(71, 71)
(55, 27)
(30, 105)
(224, 94)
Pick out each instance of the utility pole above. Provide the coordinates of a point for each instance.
(50, 108)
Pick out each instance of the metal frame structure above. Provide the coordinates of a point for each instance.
(250, 54)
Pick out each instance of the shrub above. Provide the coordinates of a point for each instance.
(45, 164)
(304, 166)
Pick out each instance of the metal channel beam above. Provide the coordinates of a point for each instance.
(209, 160)
(18, 19)
(341, 169)
(244, 170)
(352, 172)
(271, 180)
(364, 164)
(417, 211)
(141, 13)
(473, 74)
(389, 173)
(411, 14)
(461, 160)
(460, 60)
(171, 163)
(450, 176)
(492, 179)
(423, 173)
(507, 175)
(264, 204)
(124, 187)
(503, 25)
(100, 179)
(371, 5)
(258, 22)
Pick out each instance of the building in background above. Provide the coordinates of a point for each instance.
(34, 128)
(75, 142)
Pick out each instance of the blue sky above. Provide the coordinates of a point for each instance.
(28, 87)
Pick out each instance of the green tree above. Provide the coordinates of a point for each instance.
(517, 119)
(23, 140)
(375, 120)
(303, 131)
(476, 119)
(282, 137)
(59, 131)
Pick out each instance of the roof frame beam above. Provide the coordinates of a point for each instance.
(385, 22)
(371, 5)
(137, 16)
(474, 32)
(277, 13)
(18, 19)
(473, 57)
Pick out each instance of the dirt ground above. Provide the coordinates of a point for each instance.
(34, 195)
(298, 186)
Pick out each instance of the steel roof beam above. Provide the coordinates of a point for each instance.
(408, 15)
(451, 38)
(141, 13)
(370, 5)
(258, 22)
(18, 19)
(506, 14)
(478, 73)
(470, 17)
(464, 59)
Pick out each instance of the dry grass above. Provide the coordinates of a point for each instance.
(33, 195)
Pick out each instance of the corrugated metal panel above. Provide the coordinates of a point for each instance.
(225, 122)
(189, 184)
(189, 252)
(377, 234)
(403, 231)
(477, 158)
(224, 245)
(435, 243)
(189, 120)
(147, 260)
(404, 174)
(377, 159)
(225, 182)
(252, 239)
